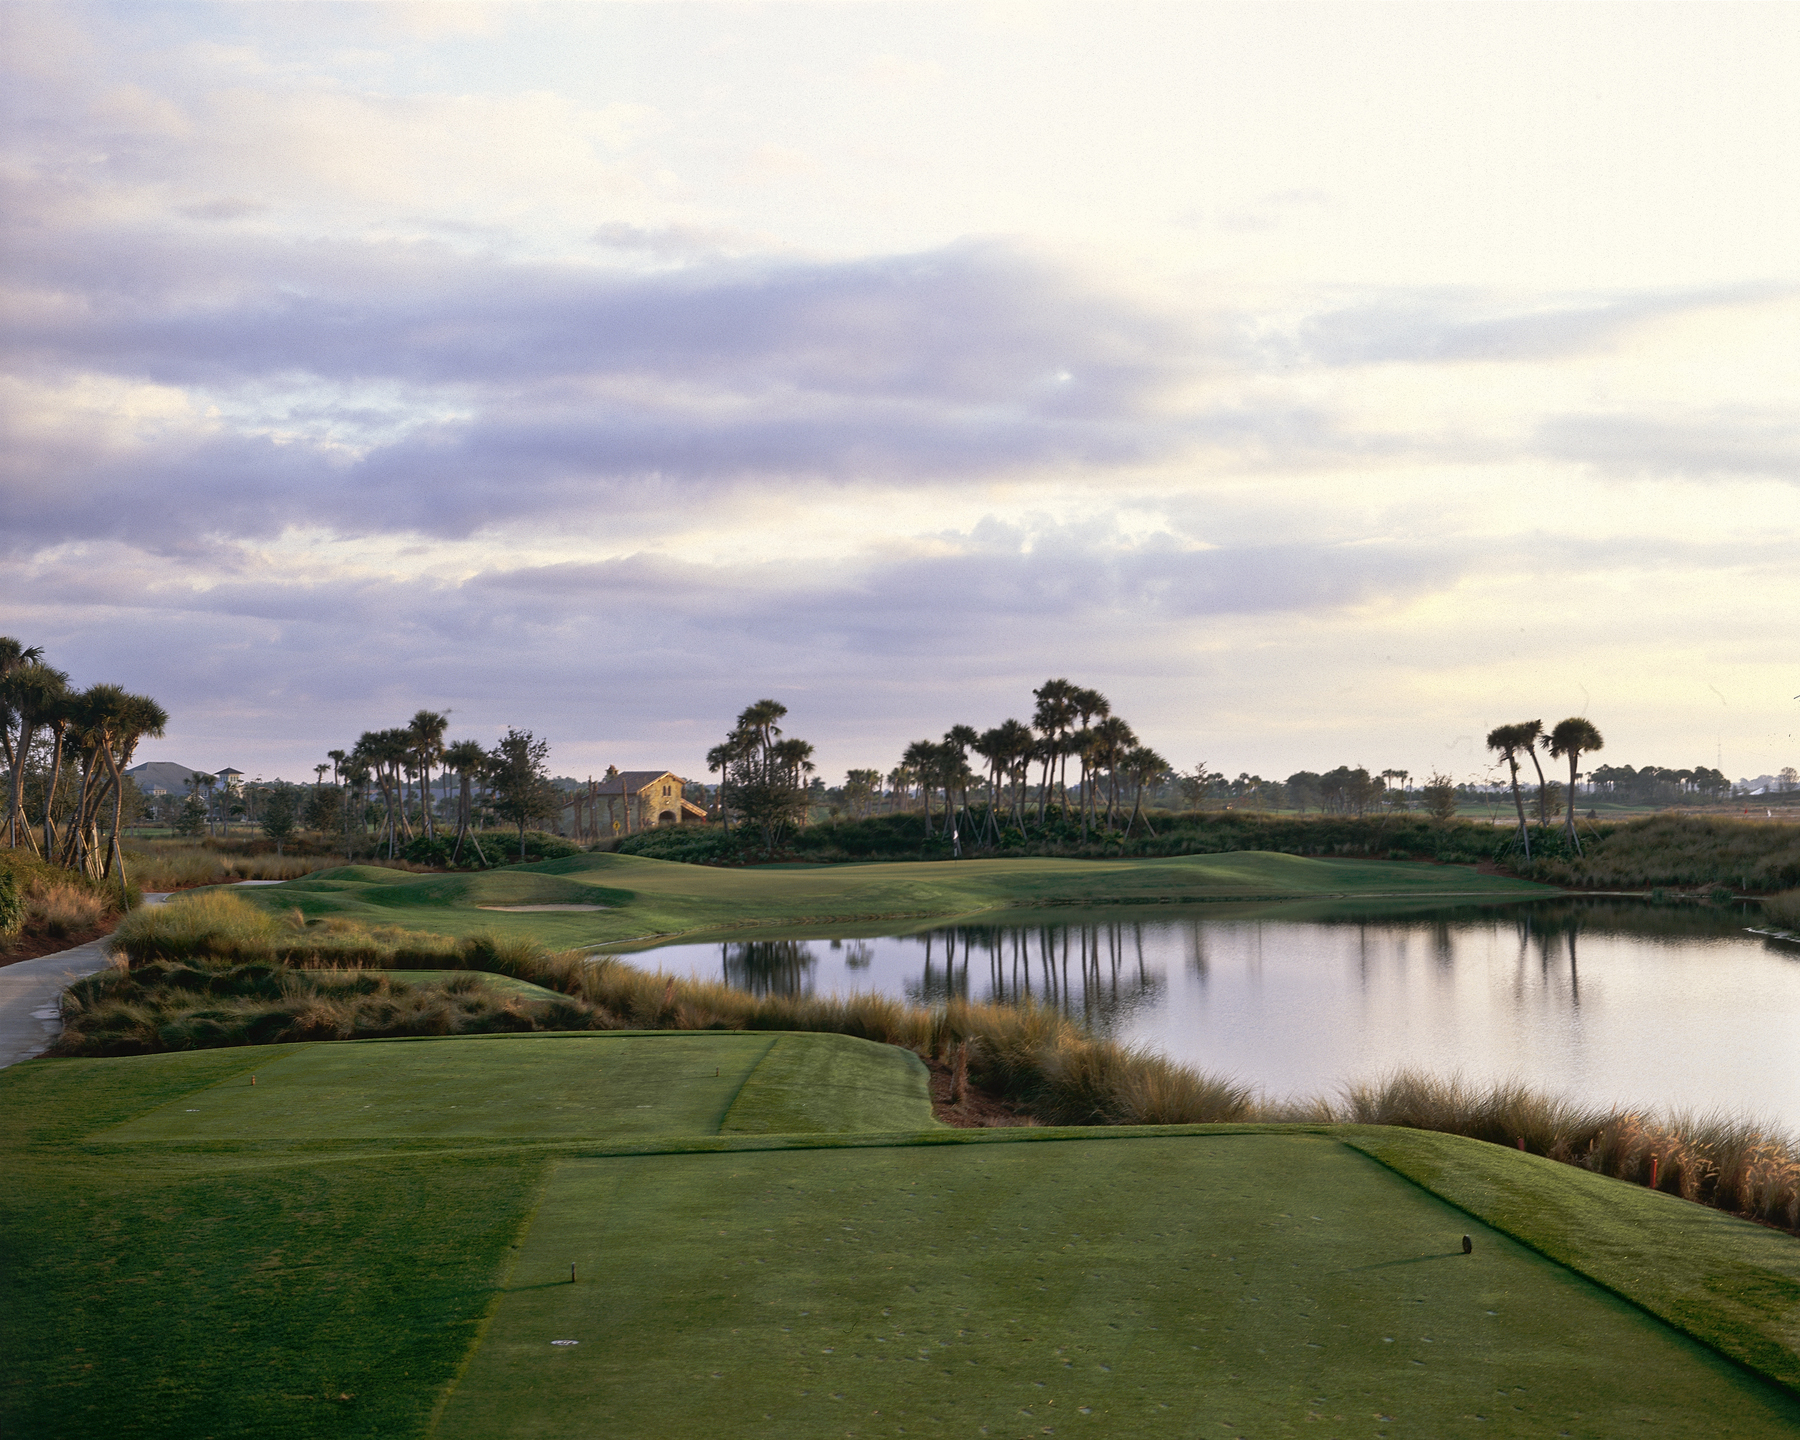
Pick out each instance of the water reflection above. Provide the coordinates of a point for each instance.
(769, 967)
(1599, 998)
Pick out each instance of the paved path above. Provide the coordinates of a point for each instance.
(31, 995)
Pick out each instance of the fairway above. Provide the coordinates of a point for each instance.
(1218, 1285)
(657, 899)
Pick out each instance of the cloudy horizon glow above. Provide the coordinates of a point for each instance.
(1325, 384)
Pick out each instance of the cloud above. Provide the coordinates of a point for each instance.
(1453, 327)
(1743, 443)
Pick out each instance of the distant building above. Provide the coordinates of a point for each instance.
(625, 802)
(164, 777)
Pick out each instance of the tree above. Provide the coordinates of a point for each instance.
(32, 696)
(522, 788)
(763, 776)
(1141, 765)
(280, 813)
(426, 732)
(1533, 731)
(1506, 741)
(1572, 738)
(1053, 717)
(191, 819)
(1439, 796)
(860, 787)
(468, 760)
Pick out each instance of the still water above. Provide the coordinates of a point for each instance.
(1674, 1007)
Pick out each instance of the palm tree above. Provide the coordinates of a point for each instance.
(1574, 737)
(58, 715)
(467, 759)
(34, 695)
(1141, 765)
(922, 759)
(426, 731)
(1053, 717)
(1113, 741)
(1507, 741)
(1533, 731)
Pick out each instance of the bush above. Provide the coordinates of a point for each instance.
(12, 905)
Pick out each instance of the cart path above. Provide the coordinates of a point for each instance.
(31, 995)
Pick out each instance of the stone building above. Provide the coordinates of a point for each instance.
(625, 802)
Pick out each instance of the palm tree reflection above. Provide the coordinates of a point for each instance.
(769, 967)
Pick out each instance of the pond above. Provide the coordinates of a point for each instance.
(1668, 1006)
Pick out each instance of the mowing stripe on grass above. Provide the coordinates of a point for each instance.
(832, 1084)
(1173, 1286)
(523, 1087)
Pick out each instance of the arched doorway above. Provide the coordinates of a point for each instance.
(668, 817)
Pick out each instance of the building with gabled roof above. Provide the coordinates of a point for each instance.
(625, 802)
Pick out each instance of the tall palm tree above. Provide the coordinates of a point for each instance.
(1533, 731)
(1053, 716)
(1574, 738)
(58, 716)
(426, 731)
(467, 759)
(34, 694)
(922, 758)
(1507, 741)
(1141, 765)
(1114, 739)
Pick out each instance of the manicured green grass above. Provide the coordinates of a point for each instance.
(658, 899)
(1732, 1284)
(505, 984)
(1181, 1286)
(832, 1084)
(324, 1253)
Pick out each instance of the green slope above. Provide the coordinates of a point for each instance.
(656, 899)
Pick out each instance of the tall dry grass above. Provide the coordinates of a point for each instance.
(1714, 1159)
(1783, 910)
(212, 969)
(170, 865)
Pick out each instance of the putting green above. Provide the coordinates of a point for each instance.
(1200, 1285)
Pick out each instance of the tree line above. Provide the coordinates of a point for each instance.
(764, 775)
(375, 782)
(66, 750)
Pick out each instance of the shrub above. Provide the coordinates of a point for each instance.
(12, 905)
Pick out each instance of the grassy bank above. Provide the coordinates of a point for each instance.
(215, 970)
(610, 899)
(1670, 849)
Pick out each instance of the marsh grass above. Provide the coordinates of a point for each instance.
(45, 903)
(1783, 910)
(211, 970)
(160, 865)
(1673, 849)
(1714, 1159)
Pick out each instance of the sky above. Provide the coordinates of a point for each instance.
(1325, 384)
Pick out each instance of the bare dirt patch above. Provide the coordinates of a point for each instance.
(978, 1110)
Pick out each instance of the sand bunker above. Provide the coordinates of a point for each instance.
(518, 909)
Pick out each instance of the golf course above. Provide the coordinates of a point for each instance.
(622, 900)
(762, 1232)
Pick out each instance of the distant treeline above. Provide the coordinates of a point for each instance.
(1673, 851)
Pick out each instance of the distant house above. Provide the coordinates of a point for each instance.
(625, 802)
(164, 777)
